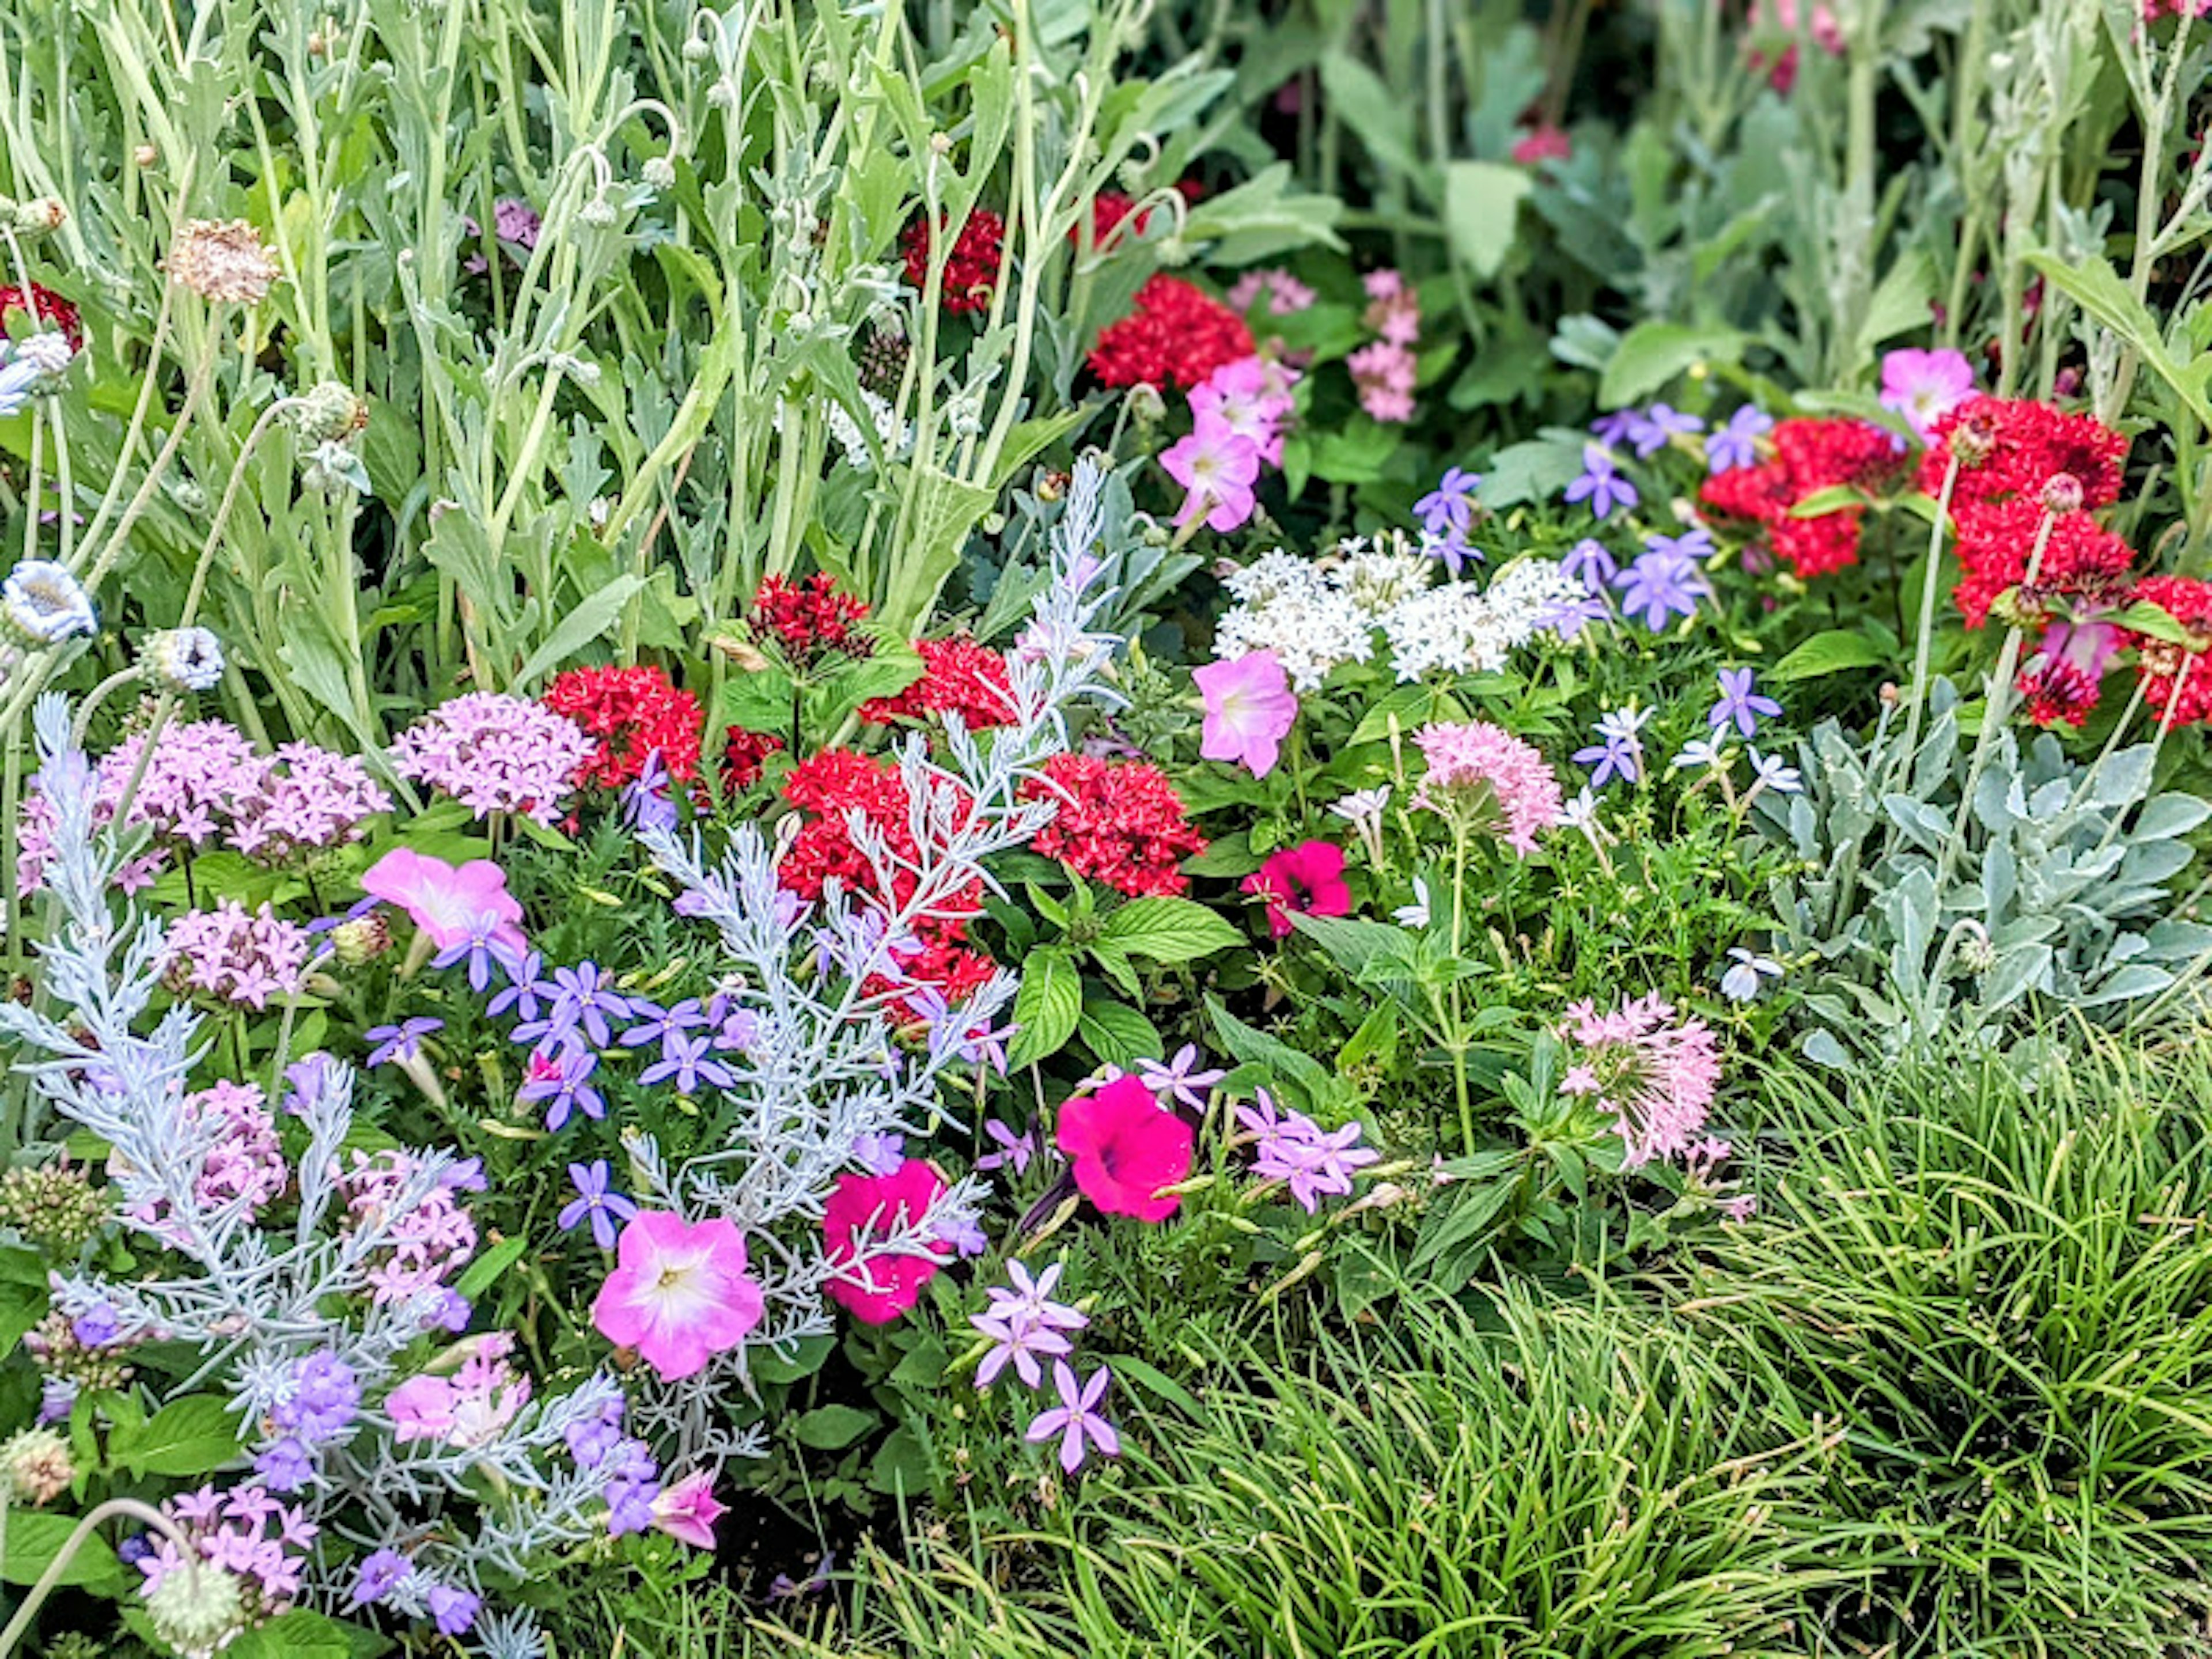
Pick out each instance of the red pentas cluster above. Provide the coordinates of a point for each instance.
(743, 754)
(810, 619)
(1177, 336)
(959, 677)
(635, 713)
(971, 269)
(42, 305)
(2176, 677)
(1120, 823)
(2019, 463)
(1809, 456)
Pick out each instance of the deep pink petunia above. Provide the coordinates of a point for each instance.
(447, 903)
(678, 1293)
(877, 1285)
(1125, 1147)
(1305, 880)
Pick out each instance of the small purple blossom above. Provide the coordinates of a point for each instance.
(379, 1574)
(1648, 433)
(1180, 1077)
(1013, 1149)
(1661, 583)
(1734, 442)
(1590, 562)
(879, 1155)
(402, 1042)
(1076, 1419)
(595, 1201)
(563, 1081)
(687, 1062)
(1739, 703)
(1600, 484)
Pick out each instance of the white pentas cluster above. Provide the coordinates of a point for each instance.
(1314, 615)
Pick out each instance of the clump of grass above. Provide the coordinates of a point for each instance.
(1551, 1481)
(1993, 1280)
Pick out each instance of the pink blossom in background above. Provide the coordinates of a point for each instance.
(1384, 373)
(1286, 296)
(448, 902)
(877, 1286)
(1249, 710)
(1474, 764)
(678, 1293)
(1925, 387)
(687, 1509)
(468, 1408)
(1125, 1147)
(1252, 398)
(1307, 880)
(1219, 467)
(1543, 142)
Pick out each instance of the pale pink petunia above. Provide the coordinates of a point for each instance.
(1925, 387)
(1249, 710)
(450, 903)
(678, 1293)
(687, 1509)
(1217, 467)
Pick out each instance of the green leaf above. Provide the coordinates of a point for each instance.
(299, 1634)
(1358, 98)
(1821, 502)
(483, 1273)
(2097, 288)
(1534, 471)
(805, 1359)
(187, 1437)
(2158, 623)
(758, 701)
(35, 1538)
(1153, 1381)
(1482, 201)
(1353, 943)
(1830, 653)
(1463, 1222)
(1165, 929)
(1899, 302)
(1117, 1034)
(1046, 1008)
(585, 621)
(1651, 354)
(902, 1464)
(833, 1428)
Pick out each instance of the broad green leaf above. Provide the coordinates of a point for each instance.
(805, 1359)
(1046, 1008)
(483, 1273)
(1829, 652)
(1482, 201)
(194, 1436)
(1117, 1034)
(299, 1634)
(1359, 98)
(34, 1538)
(2097, 288)
(1165, 929)
(585, 621)
(833, 1428)
(1653, 353)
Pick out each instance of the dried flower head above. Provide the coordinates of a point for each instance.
(225, 262)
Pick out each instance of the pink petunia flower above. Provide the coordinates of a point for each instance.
(1306, 880)
(687, 1511)
(448, 902)
(1217, 467)
(678, 1293)
(877, 1285)
(1125, 1147)
(1249, 710)
(1925, 387)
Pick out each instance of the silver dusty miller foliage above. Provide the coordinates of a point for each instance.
(255, 1293)
(820, 979)
(1923, 913)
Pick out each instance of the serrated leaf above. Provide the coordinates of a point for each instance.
(1170, 930)
(1046, 1008)
(1118, 1034)
(1482, 204)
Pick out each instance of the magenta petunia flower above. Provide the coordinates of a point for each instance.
(876, 1286)
(1125, 1147)
(687, 1511)
(448, 902)
(1925, 387)
(1218, 466)
(678, 1293)
(1249, 710)
(1306, 880)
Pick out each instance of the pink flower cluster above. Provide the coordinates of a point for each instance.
(1385, 368)
(1238, 414)
(482, 1397)
(430, 1240)
(235, 956)
(1285, 294)
(246, 1165)
(1485, 770)
(205, 784)
(1656, 1077)
(246, 1532)
(1290, 1147)
(494, 753)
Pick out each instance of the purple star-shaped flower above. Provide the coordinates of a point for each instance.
(1180, 1077)
(525, 986)
(402, 1041)
(1015, 1149)
(595, 1201)
(1734, 442)
(1655, 425)
(1660, 583)
(1589, 561)
(1600, 484)
(1076, 1418)
(1448, 511)
(567, 1087)
(1740, 703)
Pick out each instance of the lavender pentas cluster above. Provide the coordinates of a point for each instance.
(821, 1083)
(395, 1460)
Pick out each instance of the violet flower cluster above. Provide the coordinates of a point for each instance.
(393, 1463)
(494, 753)
(819, 1082)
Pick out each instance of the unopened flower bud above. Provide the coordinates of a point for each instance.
(38, 1465)
(197, 1607)
(183, 658)
(2061, 494)
(39, 217)
(1146, 404)
(597, 211)
(145, 155)
(329, 411)
(697, 50)
(659, 173)
(1974, 441)
(361, 940)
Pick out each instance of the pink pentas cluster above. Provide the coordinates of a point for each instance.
(246, 1532)
(1312, 1162)
(466, 1409)
(1654, 1074)
(230, 954)
(244, 1167)
(1239, 413)
(494, 753)
(205, 785)
(1385, 369)
(1485, 771)
(428, 1241)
